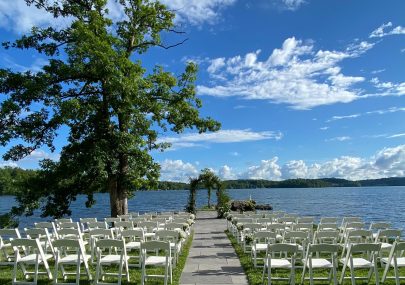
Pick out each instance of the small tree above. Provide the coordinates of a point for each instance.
(96, 87)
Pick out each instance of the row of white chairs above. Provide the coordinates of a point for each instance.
(325, 257)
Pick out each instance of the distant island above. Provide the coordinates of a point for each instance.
(12, 181)
(293, 183)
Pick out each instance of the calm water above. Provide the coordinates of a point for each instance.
(370, 203)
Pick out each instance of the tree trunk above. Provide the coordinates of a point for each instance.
(209, 197)
(118, 197)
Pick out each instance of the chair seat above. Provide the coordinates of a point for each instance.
(72, 259)
(112, 258)
(280, 263)
(386, 246)
(400, 261)
(31, 258)
(156, 260)
(320, 263)
(358, 262)
(133, 245)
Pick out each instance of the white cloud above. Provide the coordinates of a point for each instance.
(375, 112)
(20, 18)
(382, 31)
(267, 169)
(377, 71)
(226, 173)
(396, 136)
(295, 74)
(388, 88)
(35, 66)
(222, 136)
(293, 4)
(234, 153)
(8, 164)
(339, 139)
(177, 170)
(388, 162)
(324, 128)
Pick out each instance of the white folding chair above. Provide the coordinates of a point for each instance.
(387, 238)
(133, 239)
(329, 237)
(368, 261)
(94, 236)
(173, 238)
(84, 223)
(150, 257)
(29, 252)
(356, 236)
(287, 262)
(64, 256)
(50, 226)
(321, 262)
(301, 239)
(396, 260)
(43, 236)
(104, 248)
(261, 240)
(6, 236)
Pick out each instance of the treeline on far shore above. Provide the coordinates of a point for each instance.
(13, 180)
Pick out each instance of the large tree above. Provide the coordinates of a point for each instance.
(96, 88)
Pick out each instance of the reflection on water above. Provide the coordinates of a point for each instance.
(370, 203)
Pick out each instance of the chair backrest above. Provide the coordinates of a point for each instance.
(155, 245)
(364, 234)
(278, 228)
(346, 220)
(97, 225)
(71, 245)
(327, 226)
(111, 221)
(305, 220)
(252, 227)
(323, 248)
(330, 237)
(111, 243)
(264, 221)
(167, 235)
(355, 225)
(364, 247)
(245, 220)
(50, 226)
(287, 220)
(295, 236)
(264, 237)
(9, 234)
(282, 247)
(69, 225)
(303, 227)
(124, 217)
(326, 220)
(127, 225)
(41, 234)
(104, 233)
(379, 226)
(386, 235)
(88, 220)
(20, 246)
(70, 233)
(64, 220)
(133, 235)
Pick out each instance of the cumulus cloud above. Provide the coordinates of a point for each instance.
(20, 18)
(226, 173)
(267, 169)
(177, 170)
(388, 88)
(387, 30)
(387, 162)
(222, 136)
(295, 74)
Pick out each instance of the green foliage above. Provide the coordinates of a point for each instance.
(113, 108)
(14, 180)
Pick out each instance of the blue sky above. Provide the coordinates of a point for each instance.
(303, 88)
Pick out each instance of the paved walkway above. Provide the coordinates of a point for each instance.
(212, 259)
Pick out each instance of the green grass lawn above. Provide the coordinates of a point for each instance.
(135, 273)
(254, 275)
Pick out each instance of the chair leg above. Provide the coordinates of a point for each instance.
(78, 272)
(396, 272)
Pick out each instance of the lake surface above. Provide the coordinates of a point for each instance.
(370, 203)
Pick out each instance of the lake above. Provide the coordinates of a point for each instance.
(370, 203)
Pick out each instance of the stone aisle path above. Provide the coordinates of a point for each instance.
(212, 259)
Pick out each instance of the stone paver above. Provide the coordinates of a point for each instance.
(212, 259)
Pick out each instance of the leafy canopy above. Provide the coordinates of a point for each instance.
(95, 87)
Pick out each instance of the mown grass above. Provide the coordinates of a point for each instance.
(254, 275)
(134, 273)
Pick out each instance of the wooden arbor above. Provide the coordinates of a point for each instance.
(210, 181)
